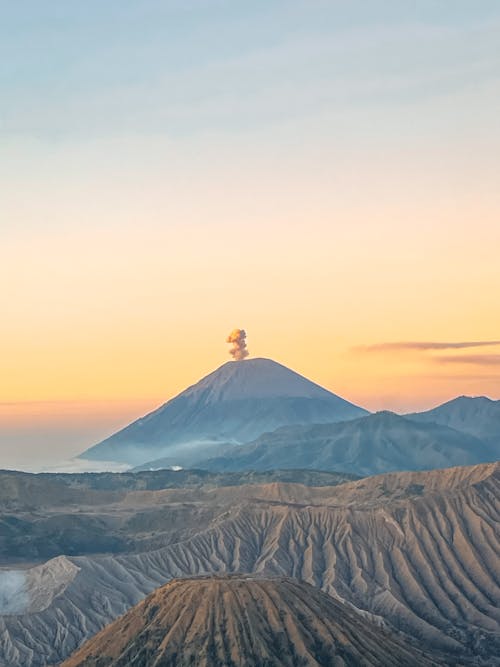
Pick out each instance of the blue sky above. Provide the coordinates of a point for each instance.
(78, 70)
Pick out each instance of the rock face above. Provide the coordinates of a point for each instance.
(236, 403)
(375, 444)
(419, 551)
(237, 621)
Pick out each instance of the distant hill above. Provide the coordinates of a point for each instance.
(378, 443)
(32, 491)
(239, 621)
(236, 403)
(49, 514)
(478, 416)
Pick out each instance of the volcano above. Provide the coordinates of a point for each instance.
(235, 404)
(244, 620)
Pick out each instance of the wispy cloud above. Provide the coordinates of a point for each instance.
(425, 345)
(13, 592)
(474, 359)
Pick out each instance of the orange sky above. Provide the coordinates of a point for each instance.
(326, 184)
(126, 292)
(136, 311)
(109, 301)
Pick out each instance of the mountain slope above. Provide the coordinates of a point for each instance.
(417, 550)
(235, 403)
(370, 445)
(479, 416)
(241, 620)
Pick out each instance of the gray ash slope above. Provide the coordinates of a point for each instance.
(418, 551)
(236, 621)
(379, 443)
(236, 403)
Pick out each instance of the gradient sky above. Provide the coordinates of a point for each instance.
(324, 174)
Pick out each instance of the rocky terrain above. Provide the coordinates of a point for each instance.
(236, 621)
(378, 443)
(47, 515)
(418, 552)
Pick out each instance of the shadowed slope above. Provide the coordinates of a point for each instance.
(367, 446)
(478, 416)
(238, 621)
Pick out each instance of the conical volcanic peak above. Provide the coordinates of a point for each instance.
(241, 621)
(235, 404)
(254, 378)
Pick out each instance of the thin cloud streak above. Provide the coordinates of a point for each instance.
(474, 359)
(424, 345)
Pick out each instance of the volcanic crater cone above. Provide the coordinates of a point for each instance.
(240, 620)
(236, 403)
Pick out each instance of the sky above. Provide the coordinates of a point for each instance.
(321, 173)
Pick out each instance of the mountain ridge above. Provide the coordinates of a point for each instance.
(476, 415)
(369, 445)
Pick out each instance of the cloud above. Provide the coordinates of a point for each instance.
(70, 466)
(474, 359)
(425, 345)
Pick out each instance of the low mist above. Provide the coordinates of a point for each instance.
(14, 597)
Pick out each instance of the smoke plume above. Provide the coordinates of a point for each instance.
(238, 349)
(13, 594)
